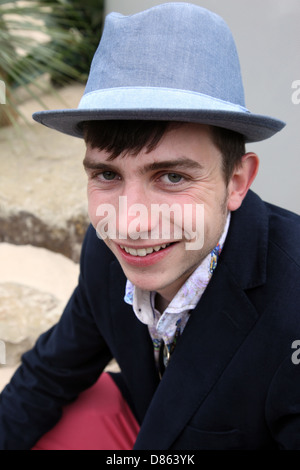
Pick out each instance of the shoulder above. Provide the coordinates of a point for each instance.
(271, 226)
(284, 232)
(281, 292)
(265, 237)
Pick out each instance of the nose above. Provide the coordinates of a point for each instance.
(134, 217)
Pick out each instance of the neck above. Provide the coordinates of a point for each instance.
(161, 303)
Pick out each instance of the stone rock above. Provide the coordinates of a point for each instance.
(35, 285)
(25, 313)
(39, 268)
(63, 235)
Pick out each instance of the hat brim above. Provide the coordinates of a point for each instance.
(254, 127)
(163, 104)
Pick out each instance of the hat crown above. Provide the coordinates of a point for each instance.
(175, 45)
(173, 62)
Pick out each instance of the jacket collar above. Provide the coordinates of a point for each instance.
(246, 247)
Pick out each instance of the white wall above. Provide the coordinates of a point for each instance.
(267, 34)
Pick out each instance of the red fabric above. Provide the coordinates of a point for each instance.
(100, 419)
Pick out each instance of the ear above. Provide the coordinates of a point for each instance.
(241, 180)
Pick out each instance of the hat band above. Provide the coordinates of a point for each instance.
(154, 98)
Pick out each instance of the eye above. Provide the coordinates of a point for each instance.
(108, 175)
(173, 178)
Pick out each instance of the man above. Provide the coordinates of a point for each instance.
(194, 289)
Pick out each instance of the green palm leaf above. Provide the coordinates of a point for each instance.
(45, 37)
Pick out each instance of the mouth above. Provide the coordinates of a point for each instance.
(146, 256)
(141, 252)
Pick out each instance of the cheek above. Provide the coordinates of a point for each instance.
(214, 222)
(94, 201)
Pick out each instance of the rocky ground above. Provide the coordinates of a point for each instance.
(43, 217)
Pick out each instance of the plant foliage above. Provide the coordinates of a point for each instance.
(53, 37)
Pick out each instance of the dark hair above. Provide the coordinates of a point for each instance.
(121, 137)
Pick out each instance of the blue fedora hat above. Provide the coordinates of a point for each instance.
(173, 62)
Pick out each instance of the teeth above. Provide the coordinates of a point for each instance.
(144, 251)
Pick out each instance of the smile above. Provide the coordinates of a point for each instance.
(144, 251)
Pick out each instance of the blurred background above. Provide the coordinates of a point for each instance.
(59, 37)
(46, 47)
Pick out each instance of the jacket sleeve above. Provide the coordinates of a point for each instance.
(65, 360)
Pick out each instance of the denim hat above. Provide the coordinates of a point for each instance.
(172, 62)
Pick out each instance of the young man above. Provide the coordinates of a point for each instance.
(194, 287)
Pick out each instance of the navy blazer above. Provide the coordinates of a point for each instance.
(233, 381)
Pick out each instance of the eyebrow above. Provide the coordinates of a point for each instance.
(90, 165)
(182, 162)
(179, 163)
